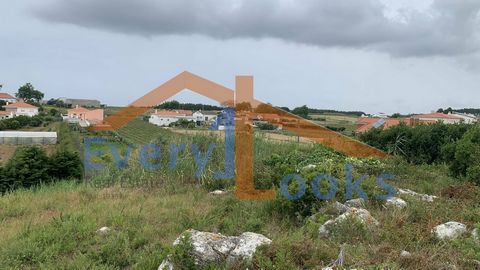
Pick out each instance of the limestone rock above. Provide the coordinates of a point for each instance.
(103, 230)
(423, 197)
(217, 248)
(396, 202)
(357, 203)
(361, 215)
(450, 230)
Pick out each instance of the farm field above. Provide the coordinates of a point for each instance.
(337, 120)
(140, 132)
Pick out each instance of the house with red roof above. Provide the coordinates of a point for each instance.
(20, 108)
(441, 117)
(6, 97)
(85, 117)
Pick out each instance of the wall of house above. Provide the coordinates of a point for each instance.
(162, 120)
(94, 115)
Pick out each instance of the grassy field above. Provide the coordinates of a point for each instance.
(336, 120)
(54, 227)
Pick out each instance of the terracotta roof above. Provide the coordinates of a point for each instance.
(185, 112)
(168, 113)
(4, 113)
(78, 110)
(20, 104)
(6, 96)
(367, 123)
(437, 116)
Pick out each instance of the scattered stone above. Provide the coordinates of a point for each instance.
(475, 235)
(356, 203)
(166, 264)
(103, 230)
(405, 254)
(396, 202)
(217, 248)
(338, 208)
(309, 167)
(450, 230)
(423, 197)
(361, 215)
(218, 192)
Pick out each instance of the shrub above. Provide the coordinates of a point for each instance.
(65, 165)
(28, 167)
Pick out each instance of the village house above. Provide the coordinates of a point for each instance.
(367, 123)
(205, 116)
(83, 116)
(7, 98)
(440, 117)
(20, 108)
(164, 118)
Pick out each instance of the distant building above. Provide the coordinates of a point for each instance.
(165, 118)
(439, 117)
(20, 108)
(364, 124)
(73, 102)
(205, 116)
(83, 116)
(7, 98)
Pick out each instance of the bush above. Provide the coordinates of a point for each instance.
(65, 165)
(466, 155)
(28, 167)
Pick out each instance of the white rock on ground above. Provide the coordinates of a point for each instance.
(309, 167)
(405, 254)
(450, 230)
(423, 197)
(338, 208)
(357, 203)
(218, 192)
(361, 215)
(217, 248)
(103, 230)
(166, 264)
(475, 235)
(396, 202)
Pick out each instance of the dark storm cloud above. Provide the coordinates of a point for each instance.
(448, 27)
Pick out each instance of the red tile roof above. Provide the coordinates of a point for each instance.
(20, 104)
(437, 116)
(78, 110)
(6, 96)
(168, 113)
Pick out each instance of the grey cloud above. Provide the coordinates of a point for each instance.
(447, 28)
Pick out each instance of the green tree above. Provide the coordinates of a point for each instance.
(301, 111)
(29, 94)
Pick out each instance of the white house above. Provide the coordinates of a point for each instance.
(467, 118)
(7, 98)
(20, 108)
(205, 116)
(165, 118)
(439, 117)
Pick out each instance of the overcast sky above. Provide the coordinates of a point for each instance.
(370, 55)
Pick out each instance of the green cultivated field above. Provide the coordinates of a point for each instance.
(337, 120)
